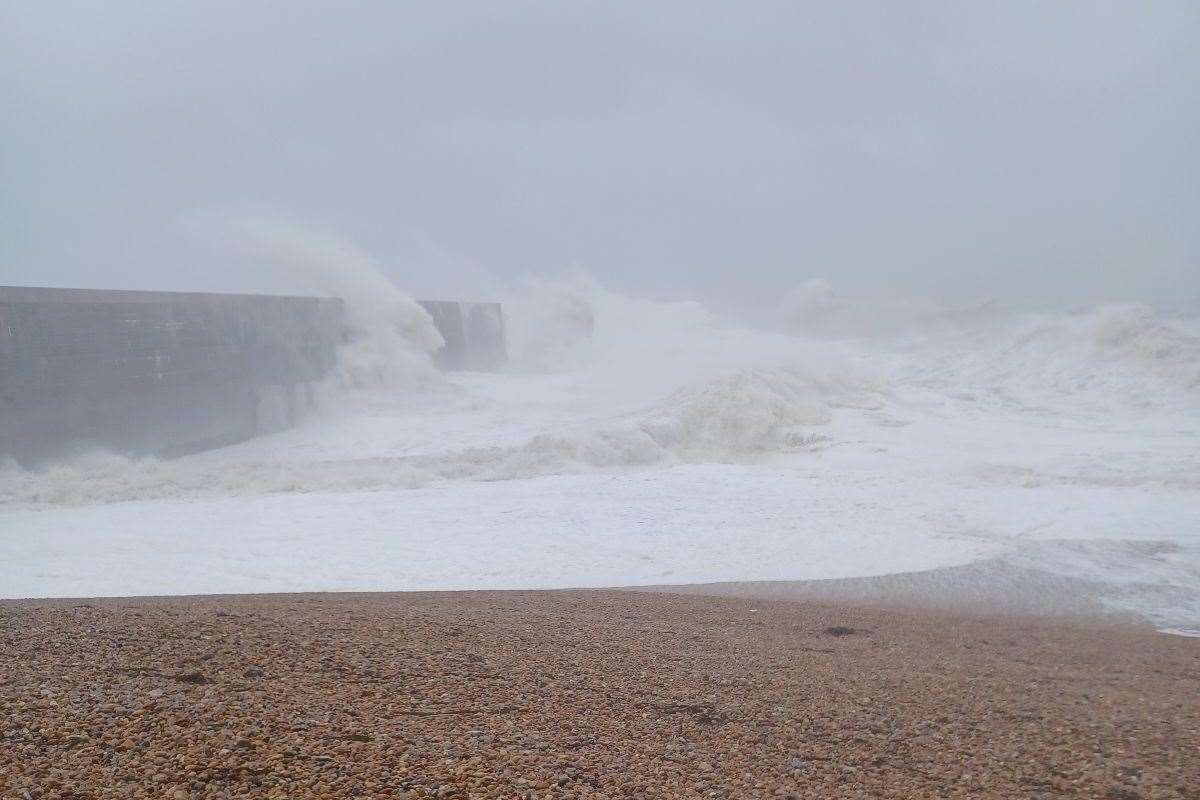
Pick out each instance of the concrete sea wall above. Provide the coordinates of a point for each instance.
(474, 334)
(167, 373)
(155, 372)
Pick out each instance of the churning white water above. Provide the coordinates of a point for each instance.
(633, 442)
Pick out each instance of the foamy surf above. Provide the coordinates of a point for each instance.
(634, 442)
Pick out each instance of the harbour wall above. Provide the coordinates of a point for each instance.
(166, 373)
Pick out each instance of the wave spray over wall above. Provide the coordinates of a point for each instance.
(392, 336)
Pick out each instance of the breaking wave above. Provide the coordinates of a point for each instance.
(1109, 358)
(1106, 358)
(739, 416)
(392, 338)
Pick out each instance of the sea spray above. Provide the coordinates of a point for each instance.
(550, 322)
(391, 336)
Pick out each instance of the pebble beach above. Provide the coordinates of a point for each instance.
(583, 694)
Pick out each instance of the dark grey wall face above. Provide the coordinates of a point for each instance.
(696, 148)
(168, 373)
(146, 372)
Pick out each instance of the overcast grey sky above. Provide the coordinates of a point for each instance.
(1042, 150)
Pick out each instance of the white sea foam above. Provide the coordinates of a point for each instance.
(1065, 443)
(737, 416)
(1112, 359)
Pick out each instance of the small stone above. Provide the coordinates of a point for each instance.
(191, 677)
(840, 630)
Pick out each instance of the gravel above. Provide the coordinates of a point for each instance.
(586, 695)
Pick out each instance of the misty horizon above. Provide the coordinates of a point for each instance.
(1034, 154)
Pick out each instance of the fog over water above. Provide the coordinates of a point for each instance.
(1028, 151)
(793, 292)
